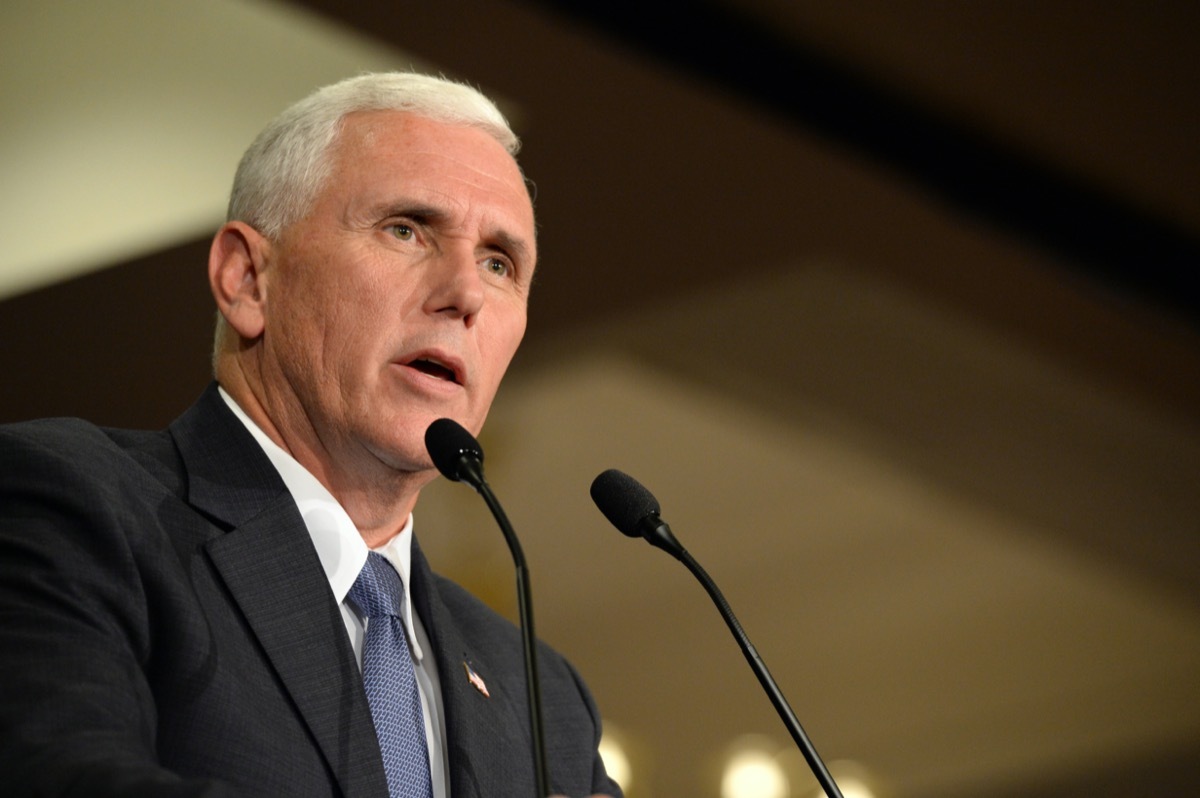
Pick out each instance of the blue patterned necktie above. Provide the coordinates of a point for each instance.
(390, 682)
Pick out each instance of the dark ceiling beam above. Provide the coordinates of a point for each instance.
(1100, 234)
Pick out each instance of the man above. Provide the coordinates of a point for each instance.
(189, 612)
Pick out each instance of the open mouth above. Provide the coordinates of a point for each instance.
(433, 369)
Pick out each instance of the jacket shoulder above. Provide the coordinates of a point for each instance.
(70, 448)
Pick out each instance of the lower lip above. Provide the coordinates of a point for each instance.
(427, 382)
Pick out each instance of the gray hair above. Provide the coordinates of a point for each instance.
(285, 168)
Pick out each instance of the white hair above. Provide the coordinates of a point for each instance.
(285, 168)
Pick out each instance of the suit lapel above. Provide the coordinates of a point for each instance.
(486, 736)
(268, 562)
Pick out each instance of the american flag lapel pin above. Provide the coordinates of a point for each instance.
(475, 679)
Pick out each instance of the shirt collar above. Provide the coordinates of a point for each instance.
(340, 547)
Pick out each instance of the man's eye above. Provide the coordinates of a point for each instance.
(498, 267)
(401, 231)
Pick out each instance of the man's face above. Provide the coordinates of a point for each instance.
(401, 296)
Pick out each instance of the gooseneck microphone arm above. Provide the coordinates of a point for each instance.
(635, 512)
(459, 458)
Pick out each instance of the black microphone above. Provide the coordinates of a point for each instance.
(459, 458)
(634, 511)
(455, 452)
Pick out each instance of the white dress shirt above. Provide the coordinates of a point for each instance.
(343, 553)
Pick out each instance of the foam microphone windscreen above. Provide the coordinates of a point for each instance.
(623, 500)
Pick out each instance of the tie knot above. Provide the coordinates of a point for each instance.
(378, 590)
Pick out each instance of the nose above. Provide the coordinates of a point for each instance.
(456, 287)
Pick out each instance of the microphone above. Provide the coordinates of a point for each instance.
(455, 452)
(459, 457)
(633, 510)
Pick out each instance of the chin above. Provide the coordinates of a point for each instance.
(405, 459)
(401, 446)
(403, 440)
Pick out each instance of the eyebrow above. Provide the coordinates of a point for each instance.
(414, 210)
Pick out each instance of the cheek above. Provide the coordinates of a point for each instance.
(340, 301)
(312, 331)
(502, 346)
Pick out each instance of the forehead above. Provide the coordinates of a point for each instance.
(378, 154)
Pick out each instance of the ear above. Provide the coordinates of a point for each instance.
(236, 262)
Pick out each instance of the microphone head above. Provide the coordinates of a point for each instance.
(624, 501)
(450, 446)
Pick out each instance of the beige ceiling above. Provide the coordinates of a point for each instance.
(946, 479)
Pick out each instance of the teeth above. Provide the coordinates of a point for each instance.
(434, 368)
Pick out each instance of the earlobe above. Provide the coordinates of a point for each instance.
(235, 275)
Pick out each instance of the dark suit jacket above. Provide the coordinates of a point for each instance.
(166, 629)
